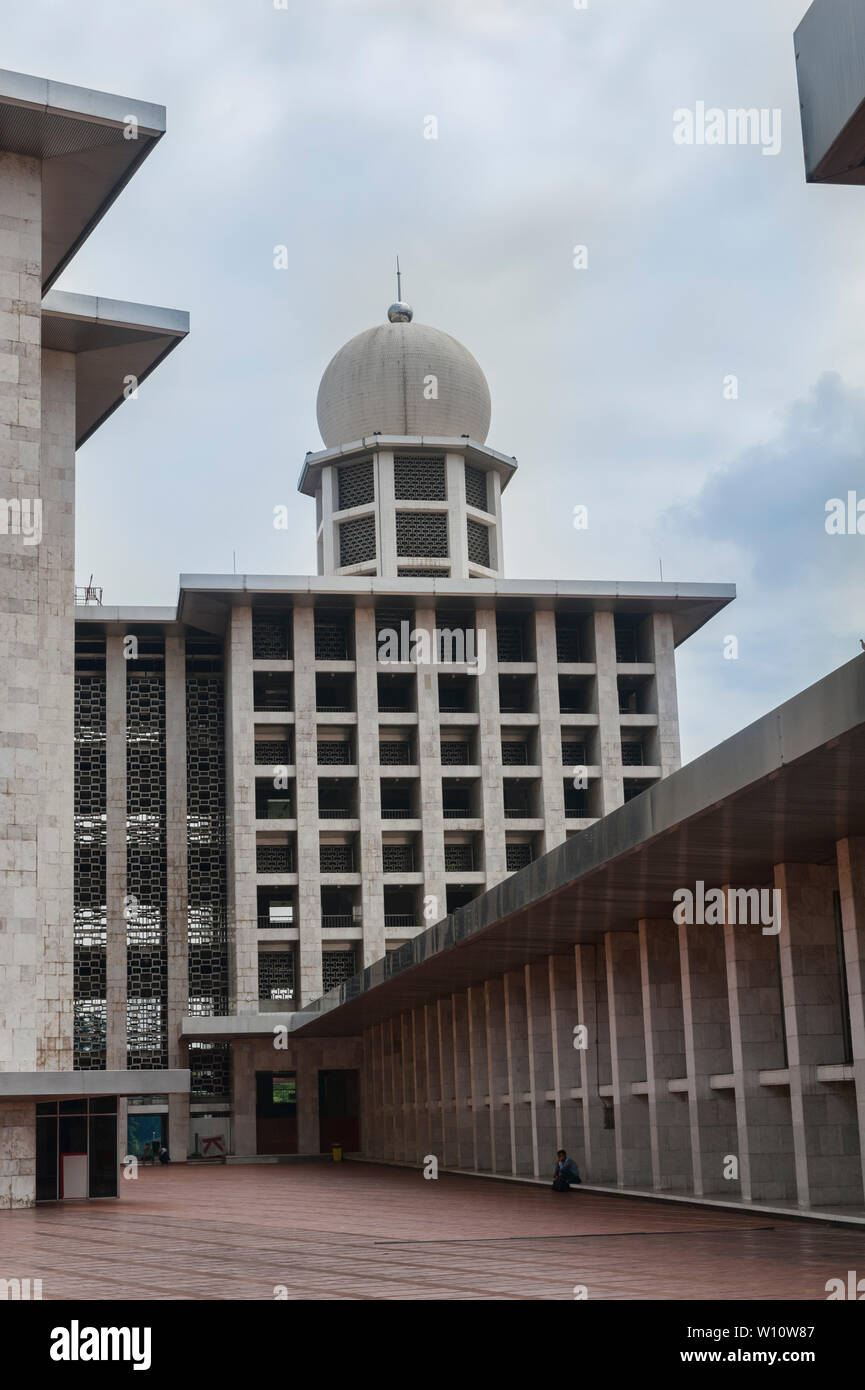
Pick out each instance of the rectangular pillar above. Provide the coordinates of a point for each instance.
(369, 785)
(497, 1076)
(628, 1056)
(851, 885)
(306, 796)
(763, 1123)
(708, 1053)
(177, 950)
(598, 1112)
(541, 1068)
(481, 1112)
(516, 1035)
(825, 1129)
(669, 1120)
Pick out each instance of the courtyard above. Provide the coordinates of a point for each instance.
(370, 1232)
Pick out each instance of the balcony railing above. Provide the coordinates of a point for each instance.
(397, 813)
(518, 813)
(399, 919)
(342, 920)
(335, 813)
(276, 921)
(88, 593)
(457, 812)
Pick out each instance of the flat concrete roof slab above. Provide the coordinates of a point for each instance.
(62, 1084)
(205, 599)
(83, 137)
(234, 1027)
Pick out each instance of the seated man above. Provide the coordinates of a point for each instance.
(566, 1173)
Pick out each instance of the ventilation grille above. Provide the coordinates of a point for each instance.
(423, 574)
(393, 752)
(478, 543)
(336, 966)
(356, 486)
(455, 754)
(276, 975)
(574, 753)
(476, 488)
(336, 859)
(331, 637)
(632, 753)
(274, 859)
(419, 479)
(357, 541)
(270, 641)
(569, 641)
(272, 753)
(509, 641)
(389, 620)
(397, 859)
(332, 753)
(514, 753)
(421, 533)
(459, 857)
(517, 857)
(626, 641)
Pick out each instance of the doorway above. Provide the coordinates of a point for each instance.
(339, 1109)
(276, 1112)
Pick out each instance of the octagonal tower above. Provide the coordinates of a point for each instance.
(406, 486)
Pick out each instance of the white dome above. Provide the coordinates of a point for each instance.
(376, 384)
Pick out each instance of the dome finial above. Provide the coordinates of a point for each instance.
(400, 312)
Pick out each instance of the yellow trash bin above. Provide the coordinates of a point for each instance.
(336, 1150)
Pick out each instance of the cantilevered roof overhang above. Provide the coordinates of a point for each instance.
(785, 789)
(114, 342)
(90, 143)
(205, 599)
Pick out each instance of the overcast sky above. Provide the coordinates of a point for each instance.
(304, 126)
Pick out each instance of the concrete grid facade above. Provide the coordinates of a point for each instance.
(365, 823)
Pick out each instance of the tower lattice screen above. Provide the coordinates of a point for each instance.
(90, 922)
(146, 868)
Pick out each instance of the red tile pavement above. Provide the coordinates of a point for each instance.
(363, 1231)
